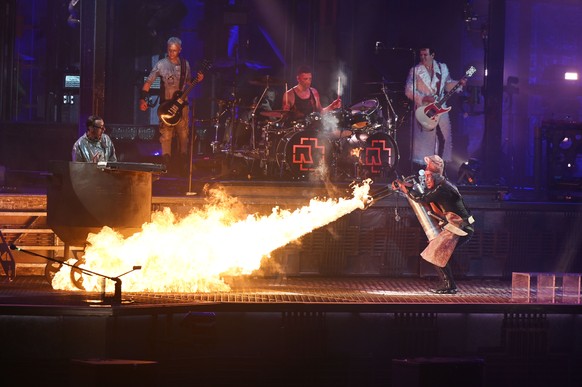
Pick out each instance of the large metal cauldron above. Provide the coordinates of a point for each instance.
(83, 197)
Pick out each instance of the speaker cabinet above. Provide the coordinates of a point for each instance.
(563, 159)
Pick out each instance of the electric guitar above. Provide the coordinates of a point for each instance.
(170, 111)
(428, 116)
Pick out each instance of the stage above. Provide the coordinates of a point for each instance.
(290, 331)
(347, 306)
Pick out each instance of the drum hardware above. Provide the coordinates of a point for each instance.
(266, 82)
(392, 121)
(355, 142)
(313, 121)
(274, 113)
(222, 109)
(253, 115)
(391, 112)
(366, 113)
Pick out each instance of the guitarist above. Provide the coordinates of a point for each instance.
(174, 72)
(427, 82)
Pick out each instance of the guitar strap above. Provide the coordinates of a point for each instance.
(439, 76)
(182, 73)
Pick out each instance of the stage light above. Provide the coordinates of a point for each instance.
(566, 143)
(571, 76)
(68, 99)
(469, 172)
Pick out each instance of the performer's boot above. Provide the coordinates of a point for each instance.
(448, 282)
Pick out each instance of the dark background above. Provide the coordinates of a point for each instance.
(526, 47)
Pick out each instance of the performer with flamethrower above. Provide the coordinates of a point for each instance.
(443, 215)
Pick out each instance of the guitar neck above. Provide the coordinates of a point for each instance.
(469, 73)
(189, 88)
(450, 93)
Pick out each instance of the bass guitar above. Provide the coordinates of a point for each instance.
(428, 116)
(170, 111)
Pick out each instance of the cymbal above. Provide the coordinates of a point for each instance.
(274, 113)
(267, 80)
(365, 105)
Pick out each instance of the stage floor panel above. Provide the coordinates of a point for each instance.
(373, 294)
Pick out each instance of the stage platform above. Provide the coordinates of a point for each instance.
(33, 294)
(289, 331)
(348, 306)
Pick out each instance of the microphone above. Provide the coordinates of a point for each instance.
(377, 49)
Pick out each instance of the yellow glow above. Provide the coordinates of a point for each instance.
(192, 254)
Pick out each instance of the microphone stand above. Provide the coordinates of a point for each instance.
(192, 137)
(380, 47)
(234, 107)
(255, 112)
(412, 111)
(390, 111)
(116, 299)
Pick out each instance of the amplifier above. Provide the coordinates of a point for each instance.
(563, 152)
(135, 143)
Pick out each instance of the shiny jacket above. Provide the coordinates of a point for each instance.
(87, 150)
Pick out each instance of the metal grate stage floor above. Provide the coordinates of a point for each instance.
(364, 294)
(294, 331)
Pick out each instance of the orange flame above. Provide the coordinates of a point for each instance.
(192, 254)
(356, 152)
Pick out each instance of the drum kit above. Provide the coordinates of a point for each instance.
(344, 144)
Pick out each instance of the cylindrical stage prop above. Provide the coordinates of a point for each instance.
(84, 197)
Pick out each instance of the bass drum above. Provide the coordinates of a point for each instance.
(372, 155)
(301, 154)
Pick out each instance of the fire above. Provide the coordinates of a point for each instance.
(192, 254)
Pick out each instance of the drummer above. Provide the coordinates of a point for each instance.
(302, 99)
